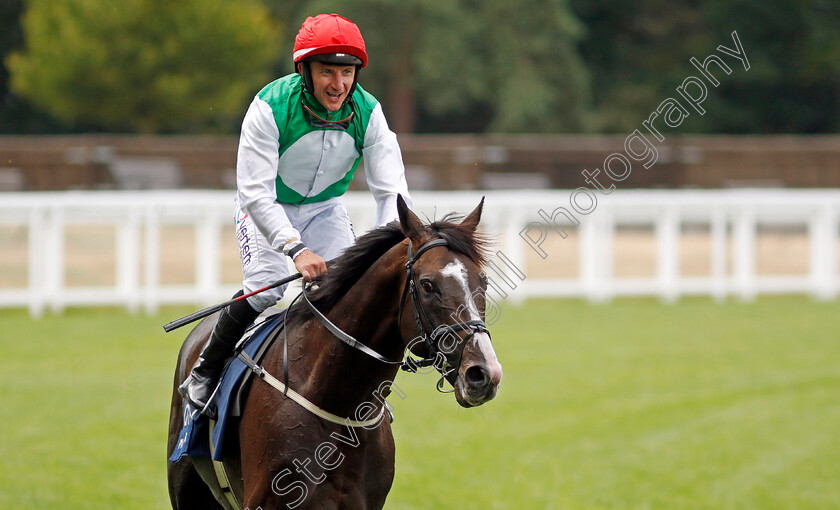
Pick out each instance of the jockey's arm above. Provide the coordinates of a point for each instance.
(384, 168)
(256, 174)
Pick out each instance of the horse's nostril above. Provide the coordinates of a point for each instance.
(476, 376)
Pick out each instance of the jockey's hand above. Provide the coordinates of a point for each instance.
(309, 265)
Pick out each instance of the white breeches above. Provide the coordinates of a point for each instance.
(324, 227)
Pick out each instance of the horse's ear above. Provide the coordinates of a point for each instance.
(411, 225)
(472, 219)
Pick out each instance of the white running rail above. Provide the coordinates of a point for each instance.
(521, 222)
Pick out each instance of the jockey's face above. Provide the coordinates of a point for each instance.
(331, 83)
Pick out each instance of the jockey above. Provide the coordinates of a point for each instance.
(301, 141)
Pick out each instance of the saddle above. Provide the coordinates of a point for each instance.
(195, 438)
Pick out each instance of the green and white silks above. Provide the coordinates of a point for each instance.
(283, 159)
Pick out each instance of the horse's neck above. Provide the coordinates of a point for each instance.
(368, 313)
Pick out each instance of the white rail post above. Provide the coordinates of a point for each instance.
(718, 254)
(607, 231)
(822, 238)
(588, 247)
(516, 254)
(597, 258)
(668, 253)
(128, 260)
(54, 258)
(151, 255)
(37, 260)
(744, 240)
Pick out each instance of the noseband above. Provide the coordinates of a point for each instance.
(430, 335)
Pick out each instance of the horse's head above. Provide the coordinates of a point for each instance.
(447, 302)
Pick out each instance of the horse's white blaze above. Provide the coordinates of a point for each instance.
(492, 362)
(458, 271)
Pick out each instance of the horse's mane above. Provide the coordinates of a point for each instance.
(346, 270)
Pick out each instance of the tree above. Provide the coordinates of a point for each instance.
(514, 65)
(144, 65)
(793, 85)
(16, 116)
(639, 52)
(517, 58)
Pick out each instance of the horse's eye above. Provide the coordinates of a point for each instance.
(427, 286)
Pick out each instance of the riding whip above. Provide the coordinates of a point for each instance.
(215, 308)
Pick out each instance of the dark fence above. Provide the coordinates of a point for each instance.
(438, 162)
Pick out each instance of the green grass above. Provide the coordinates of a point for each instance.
(629, 405)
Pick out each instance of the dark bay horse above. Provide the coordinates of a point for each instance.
(403, 287)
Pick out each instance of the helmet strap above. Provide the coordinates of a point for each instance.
(305, 70)
(306, 73)
(355, 81)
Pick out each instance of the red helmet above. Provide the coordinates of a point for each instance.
(331, 39)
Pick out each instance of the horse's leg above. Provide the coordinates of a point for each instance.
(187, 490)
(273, 430)
(375, 458)
(281, 469)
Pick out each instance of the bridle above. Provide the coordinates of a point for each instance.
(431, 336)
(435, 355)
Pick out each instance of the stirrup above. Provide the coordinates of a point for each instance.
(208, 409)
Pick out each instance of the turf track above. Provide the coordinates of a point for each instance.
(629, 405)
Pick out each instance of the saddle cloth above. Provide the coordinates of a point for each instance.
(194, 440)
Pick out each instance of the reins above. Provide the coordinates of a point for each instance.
(435, 357)
(297, 397)
(344, 337)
